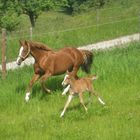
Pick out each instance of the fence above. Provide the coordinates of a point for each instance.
(54, 28)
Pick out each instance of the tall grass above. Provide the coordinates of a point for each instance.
(118, 84)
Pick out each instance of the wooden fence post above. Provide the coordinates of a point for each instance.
(31, 33)
(3, 50)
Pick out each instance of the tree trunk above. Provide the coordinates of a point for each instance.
(32, 19)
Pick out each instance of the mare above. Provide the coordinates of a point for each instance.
(49, 63)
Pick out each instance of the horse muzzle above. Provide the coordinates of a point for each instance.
(19, 61)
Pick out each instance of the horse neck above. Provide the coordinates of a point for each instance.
(72, 82)
(38, 53)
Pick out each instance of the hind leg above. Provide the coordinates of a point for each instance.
(90, 98)
(74, 71)
(81, 101)
(42, 81)
(99, 99)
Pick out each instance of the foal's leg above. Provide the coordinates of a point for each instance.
(90, 97)
(66, 90)
(43, 79)
(67, 104)
(34, 79)
(81, 101)
(100, 100)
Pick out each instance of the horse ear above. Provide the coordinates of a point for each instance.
(26, 43)
(20, 42)
(67, 72)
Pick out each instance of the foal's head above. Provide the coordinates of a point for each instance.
(24, 51)
(68, 79)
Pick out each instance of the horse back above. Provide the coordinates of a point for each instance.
(74, 53)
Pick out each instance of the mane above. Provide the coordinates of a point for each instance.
(39, 45)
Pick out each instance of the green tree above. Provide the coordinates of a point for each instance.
(75, 6)
(33, 8)
(9, 19)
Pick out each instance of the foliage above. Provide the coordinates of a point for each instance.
(9, 19)
(33, 8)
(75, 6)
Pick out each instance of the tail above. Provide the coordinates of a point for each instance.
(88, 59)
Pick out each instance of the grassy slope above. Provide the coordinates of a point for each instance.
(118, 83)
(49, 26)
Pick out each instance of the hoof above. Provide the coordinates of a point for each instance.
(62, 114)
(27, 98)
(63, 94)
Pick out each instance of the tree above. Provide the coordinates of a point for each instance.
(75, 6)
(8, 18)
(33, 8)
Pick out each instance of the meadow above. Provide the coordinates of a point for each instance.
(118, 84)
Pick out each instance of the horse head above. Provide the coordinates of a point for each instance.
(24, 51)
(68, 78)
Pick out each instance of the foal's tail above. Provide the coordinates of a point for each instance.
(88, 59)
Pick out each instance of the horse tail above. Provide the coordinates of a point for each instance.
(88, 59)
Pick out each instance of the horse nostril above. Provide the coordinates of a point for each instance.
(18, 62)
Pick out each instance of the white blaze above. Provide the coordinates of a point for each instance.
(20, 52)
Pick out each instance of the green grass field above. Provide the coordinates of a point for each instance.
(118, 84)
(57, 29)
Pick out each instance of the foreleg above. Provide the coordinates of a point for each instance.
(34, 79)
(81, 101)
(66, 90)
(42, 81)
(66, 105)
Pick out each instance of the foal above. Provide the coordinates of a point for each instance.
(77, 87)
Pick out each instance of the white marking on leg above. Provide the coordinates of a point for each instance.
(27, 96)
(66, 90)
(101, 101)
(66, 105)
(63, 83)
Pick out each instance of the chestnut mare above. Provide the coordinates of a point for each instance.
(49, 62)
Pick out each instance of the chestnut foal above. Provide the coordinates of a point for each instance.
(77, 87)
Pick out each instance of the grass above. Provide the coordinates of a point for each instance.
(118, 84)
(58, 29)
